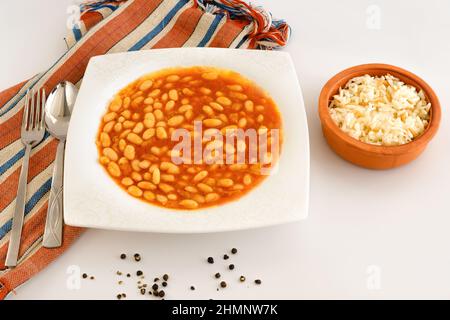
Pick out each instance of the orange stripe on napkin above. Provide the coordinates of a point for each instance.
(181, 30)
(10, 130)
(7, 94)
(91, 18)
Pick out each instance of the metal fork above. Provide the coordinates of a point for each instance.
(32, 132)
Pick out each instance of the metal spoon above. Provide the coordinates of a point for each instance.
(58, 109)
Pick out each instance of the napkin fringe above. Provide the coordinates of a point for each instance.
(265, 32)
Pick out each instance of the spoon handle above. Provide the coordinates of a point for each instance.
(54, 222)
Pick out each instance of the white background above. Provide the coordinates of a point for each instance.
(392, 226)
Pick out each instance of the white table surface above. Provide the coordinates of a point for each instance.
(369, 235)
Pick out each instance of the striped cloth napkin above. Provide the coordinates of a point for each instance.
(107, 27)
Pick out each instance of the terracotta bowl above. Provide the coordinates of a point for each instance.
(374, 156)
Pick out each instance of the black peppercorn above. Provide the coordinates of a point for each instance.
(155, 287)
(123, 256)
(84, 275)
(139, 273)
(161, 294)
(142, 291)
(217, 275)
(225, 257)
(223, 284)
(192, 288)
(231, 266)
(128, 275)
(137, 257)
(258, 281)
(166, 277)
(234, 251)
(164, 284)
(210, 260)
(241, 278)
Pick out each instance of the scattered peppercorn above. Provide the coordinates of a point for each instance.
(92, 277)
(155, 288)
(84, 275)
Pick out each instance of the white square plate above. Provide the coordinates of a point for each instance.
(92, 199)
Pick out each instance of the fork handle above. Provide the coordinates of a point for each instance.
(19, 212)
(54, 222)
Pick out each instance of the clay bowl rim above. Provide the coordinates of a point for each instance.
(330, 89)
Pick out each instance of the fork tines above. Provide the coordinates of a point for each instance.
(34, 119)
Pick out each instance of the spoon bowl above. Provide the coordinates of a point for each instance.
(58, 109)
